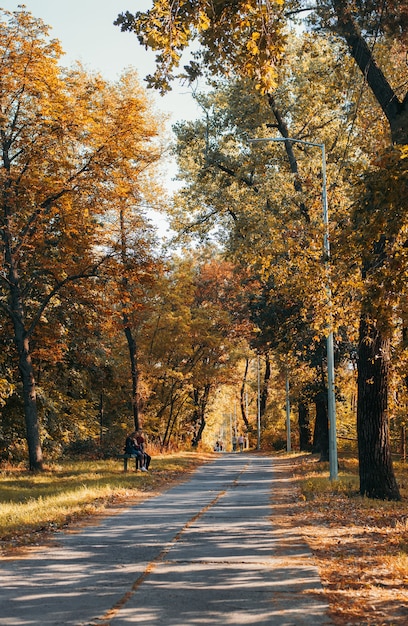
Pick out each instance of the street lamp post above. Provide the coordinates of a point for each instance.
(331, 400)
(288, 437)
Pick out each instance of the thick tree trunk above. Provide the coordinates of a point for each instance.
(377, 478)
(35, 456)
(305, 434)
(372, 420)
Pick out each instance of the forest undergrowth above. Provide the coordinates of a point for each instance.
(360, 546)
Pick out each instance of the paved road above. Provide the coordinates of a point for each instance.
(205, 552)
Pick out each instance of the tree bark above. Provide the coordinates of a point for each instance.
(305, 434)
(284, 131)
(375, 464)
(265, 388)
(396, 111)
(321, 430)
(377, 478)
(132, 346)
(134, 372)
(200, 405)
(22, 343)
(242, 398)
(35, 456)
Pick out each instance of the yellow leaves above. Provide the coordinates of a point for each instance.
(355, 543)
(245, 37)
(267, 79)
(6, 390)
(404, 152)
(204, 21)
(252, 46)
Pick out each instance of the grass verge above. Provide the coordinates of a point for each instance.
(33, 505)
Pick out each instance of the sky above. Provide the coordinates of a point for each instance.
(87, 34)
(86, 31)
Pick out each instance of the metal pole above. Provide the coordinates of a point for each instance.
(258, 447)
(331, 399)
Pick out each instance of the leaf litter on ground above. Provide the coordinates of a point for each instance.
(360, 546)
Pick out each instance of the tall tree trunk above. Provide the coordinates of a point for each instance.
(35, 456)
(132, 346)
(403, 449)
(372, 419)
(242, 398)
(21, 340)
(305, 434)
(200, 405)
(321, 430)
(166, 438)
(376, 472)
(134, 372)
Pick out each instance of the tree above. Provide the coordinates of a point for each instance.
(136, 268)
(355, 22)
(191, 338)
(69, 141)
(246, 200)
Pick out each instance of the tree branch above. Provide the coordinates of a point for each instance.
(378, 83)
(87, 273)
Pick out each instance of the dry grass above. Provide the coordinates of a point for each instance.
(33, 505)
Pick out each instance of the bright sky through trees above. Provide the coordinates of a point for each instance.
(87, 34)
(86, 31)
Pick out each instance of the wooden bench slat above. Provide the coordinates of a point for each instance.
(125, 458)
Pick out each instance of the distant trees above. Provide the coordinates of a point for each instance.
(192, 343)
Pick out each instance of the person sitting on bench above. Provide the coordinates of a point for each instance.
(140, 440)
(133, 448)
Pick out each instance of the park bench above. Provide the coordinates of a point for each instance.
(126, 457)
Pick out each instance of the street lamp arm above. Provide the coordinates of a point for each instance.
(283, 139)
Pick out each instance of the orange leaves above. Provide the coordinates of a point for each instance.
(73, 147)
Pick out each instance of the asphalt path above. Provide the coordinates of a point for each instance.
(206, 551)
